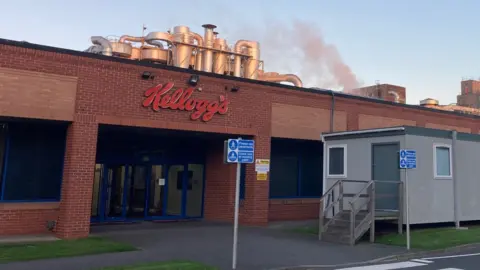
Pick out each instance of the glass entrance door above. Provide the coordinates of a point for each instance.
(114, 186)
(136, 191)
(194, 193)
(156, 192)
(147, 191)
(175, 190)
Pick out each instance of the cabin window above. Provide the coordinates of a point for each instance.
(337, 161)
(442, 164)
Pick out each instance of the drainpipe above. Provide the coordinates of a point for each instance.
(456, 206)
(332, 111)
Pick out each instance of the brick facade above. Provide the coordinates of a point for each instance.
(111, 92)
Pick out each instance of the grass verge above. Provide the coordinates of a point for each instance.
(170, 265)
(60, 248)
(432, 239)
(426, 239)
(305, 230)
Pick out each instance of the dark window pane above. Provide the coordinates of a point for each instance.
(283, 176)
(311, 182)
(35, 161)
(291, 159)
(3, 140)
(336, 166)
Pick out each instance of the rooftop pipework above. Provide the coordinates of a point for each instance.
(186, 49)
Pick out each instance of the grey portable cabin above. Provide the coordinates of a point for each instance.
(444, 186)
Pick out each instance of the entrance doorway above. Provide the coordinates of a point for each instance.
(146, 191)
(385, 168)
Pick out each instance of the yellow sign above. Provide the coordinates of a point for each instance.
(262, 165)
(263, 161)
(261, 176)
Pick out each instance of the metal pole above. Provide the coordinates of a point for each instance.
(407, 209)
(407, 201)
(456, 211)
(235, 222)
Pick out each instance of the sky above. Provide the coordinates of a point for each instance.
(427, 46)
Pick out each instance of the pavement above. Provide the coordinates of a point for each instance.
(210, 243)
(457, 260)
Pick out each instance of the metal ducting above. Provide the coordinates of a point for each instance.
(104, 44)
(251, 64)
(209, 37)
(276, 77)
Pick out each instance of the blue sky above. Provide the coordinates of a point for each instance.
(425, 45)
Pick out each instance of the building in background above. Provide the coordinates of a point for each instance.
(470, 94)
(384, 91)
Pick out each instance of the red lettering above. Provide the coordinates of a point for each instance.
(158, 98)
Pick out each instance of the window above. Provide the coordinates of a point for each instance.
(33, 162)
(296, 169)
(442, 163)
(3, 144)
(284, 176)
(337, 161)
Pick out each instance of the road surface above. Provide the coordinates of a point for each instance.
(452, 262)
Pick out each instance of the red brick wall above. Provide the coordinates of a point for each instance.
(111, 93)
(26, 218)
(296, 209)
(77, 183)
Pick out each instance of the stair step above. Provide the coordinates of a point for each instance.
(344, 223)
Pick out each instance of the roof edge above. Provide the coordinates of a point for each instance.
(34, 46)
(362, 131)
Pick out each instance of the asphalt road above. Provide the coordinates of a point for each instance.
(462, 261)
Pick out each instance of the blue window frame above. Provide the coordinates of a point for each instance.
(296, 168)
(33, 155)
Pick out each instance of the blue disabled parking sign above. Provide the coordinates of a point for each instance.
(408, 159)
(240, 151)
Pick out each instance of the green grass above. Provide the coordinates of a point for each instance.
(60, 248)
(305, 230)
(426, 239)
(171, 265)
(432, 239)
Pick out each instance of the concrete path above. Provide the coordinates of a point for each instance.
(259, 248)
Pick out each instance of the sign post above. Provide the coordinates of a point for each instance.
(408, 160)
(238, 151)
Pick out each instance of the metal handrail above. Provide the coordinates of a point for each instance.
(330, 189)
(356, 197)
(334, 200)
(354, 211)
(324, 208)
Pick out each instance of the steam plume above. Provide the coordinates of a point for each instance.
(300, 48)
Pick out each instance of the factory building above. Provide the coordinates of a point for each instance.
(133, 129)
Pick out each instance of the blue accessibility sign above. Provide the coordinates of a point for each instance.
(240, 151)
(232, 156)
(408, 159)
(232, 145)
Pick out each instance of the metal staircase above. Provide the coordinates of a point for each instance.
(348, 224)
